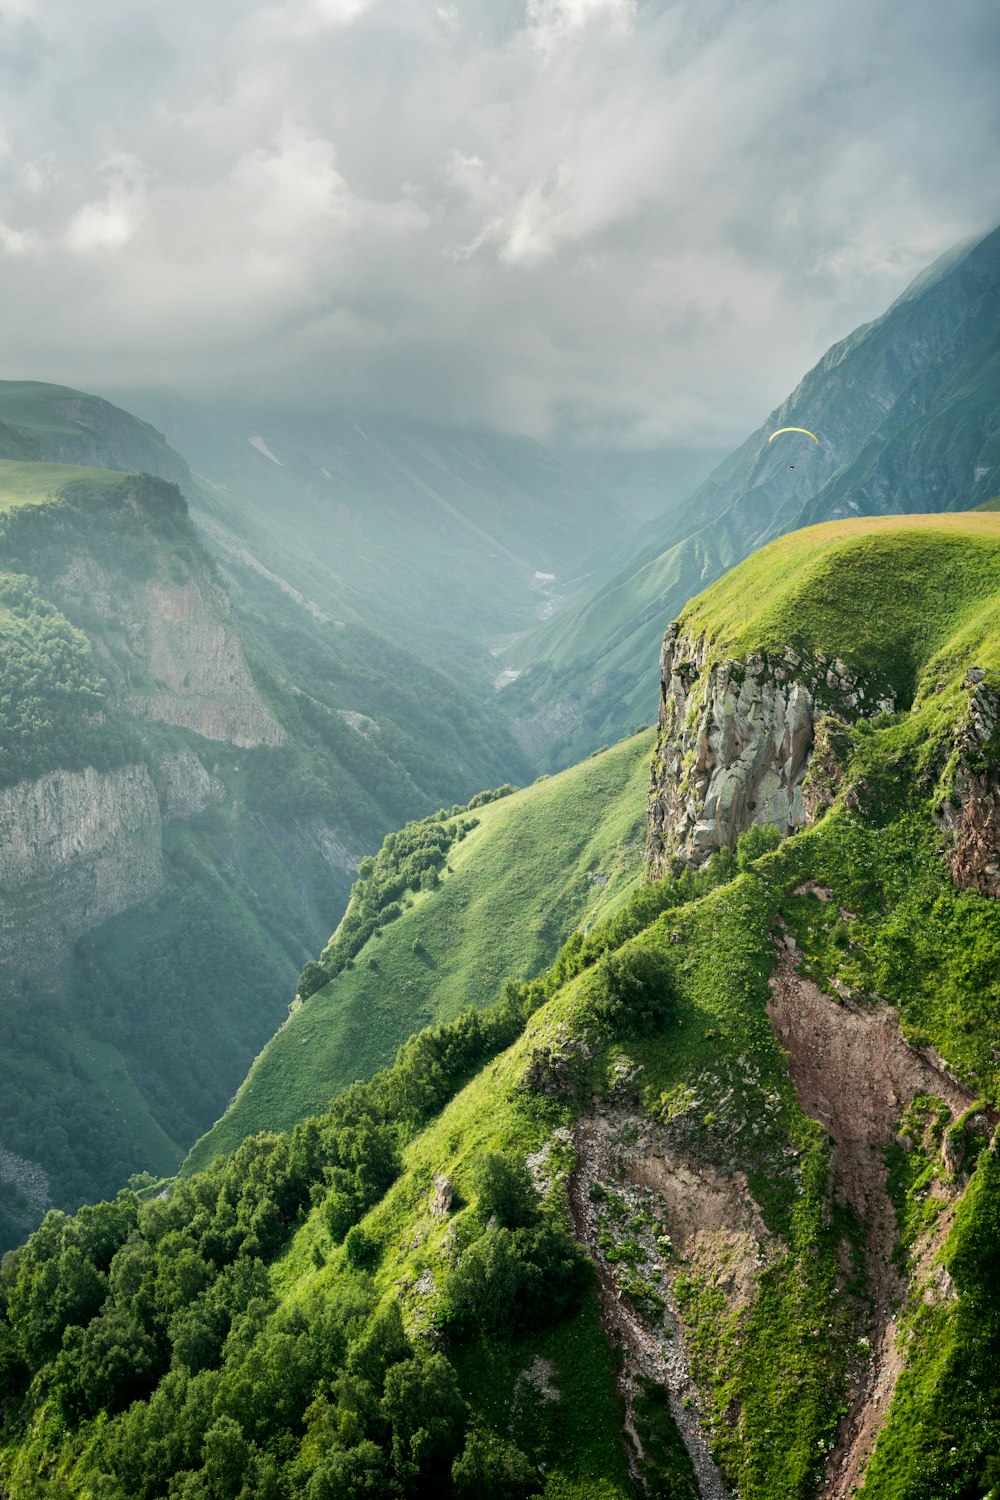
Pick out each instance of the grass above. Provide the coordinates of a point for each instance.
(32, 404)
(885, 594)
(32, 484)
(538, 865)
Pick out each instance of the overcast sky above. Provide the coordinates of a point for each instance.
(618, 218)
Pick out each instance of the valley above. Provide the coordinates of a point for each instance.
(406, 1093)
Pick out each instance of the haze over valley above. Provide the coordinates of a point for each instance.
(499, 751)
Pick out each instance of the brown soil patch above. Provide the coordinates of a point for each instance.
(855, 1073)
(652, 1348)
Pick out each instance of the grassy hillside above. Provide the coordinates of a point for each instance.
(531, 869)
(893, 596)
(442, 1285)
(33, 483)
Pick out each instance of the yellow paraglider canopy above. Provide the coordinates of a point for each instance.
(795, 429)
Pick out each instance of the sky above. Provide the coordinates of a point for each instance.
(607, 221)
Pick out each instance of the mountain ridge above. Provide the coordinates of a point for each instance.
(621, 1229)
(907, 416)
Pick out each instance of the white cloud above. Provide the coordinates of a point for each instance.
(646, 218)
(18, 241)
(40, 175)
(302, 17)
(292, 185)
(109, 222)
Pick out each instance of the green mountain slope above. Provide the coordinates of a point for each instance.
(530, 869)
(906, 409)
(41, 422)
(179, 798)
(713, 1208)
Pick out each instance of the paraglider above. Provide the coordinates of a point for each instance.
(795, 429)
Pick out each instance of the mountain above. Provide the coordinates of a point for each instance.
(497, 892)
(907, 414)
(710, 1208)
(41, 422)
(447, 541)
(185, 792)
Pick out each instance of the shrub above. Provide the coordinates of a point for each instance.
(761, 838)
(515, 1277)
(632, 990)
(490, 1467)
(504, 1190)
(312, 978)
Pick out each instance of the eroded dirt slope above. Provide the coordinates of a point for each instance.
(855, 1073)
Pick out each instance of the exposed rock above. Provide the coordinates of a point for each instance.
(441, 1196)
(360, 723)
(827, 765)
(542, 1165)
(735, 742)
(971, 815)
(170, 649)
(556, 1066)
(615, 1149)
(76, 847)
(855, 1073)
(184, 787)
(27, 1176)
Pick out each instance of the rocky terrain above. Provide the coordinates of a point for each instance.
(736, 739)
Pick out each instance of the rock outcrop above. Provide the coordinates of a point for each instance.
(735, 742)
(171, 650)
(971, 816)
(184, 787)
(76, 847)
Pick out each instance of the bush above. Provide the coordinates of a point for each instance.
(761, 838)
(632, 991)
(362, 1252)
(511, 1277)
(490, 1467)
(312, 978)
(504, 1190)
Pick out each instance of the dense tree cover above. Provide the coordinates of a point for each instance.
(129, 523)
(52, 693)
(159, 1317)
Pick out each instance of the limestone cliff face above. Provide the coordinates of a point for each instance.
(76, 847)
(170, 648)
(735, 742)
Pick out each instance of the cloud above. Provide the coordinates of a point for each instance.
(17, 241)
(110, 221)
(560, 216)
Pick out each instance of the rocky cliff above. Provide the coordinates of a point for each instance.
(735, 741)
(970, 816)
(171, 649)
(78, 847)
(82, 843)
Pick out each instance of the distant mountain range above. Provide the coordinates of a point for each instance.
(907, 409)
